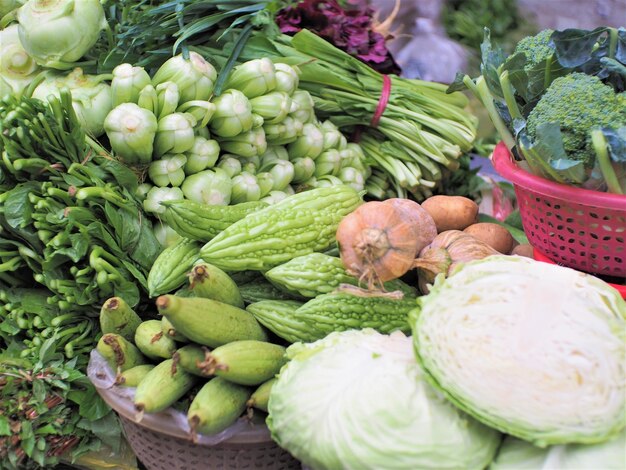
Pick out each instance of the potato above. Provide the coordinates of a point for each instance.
(494, 235)
(523, 250)
(451, 212)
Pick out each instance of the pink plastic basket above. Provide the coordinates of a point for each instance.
(577, 228)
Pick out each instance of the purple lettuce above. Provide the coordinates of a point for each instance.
(349, 29)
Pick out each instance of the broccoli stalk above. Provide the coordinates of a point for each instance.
(481, 91)
(600, 146)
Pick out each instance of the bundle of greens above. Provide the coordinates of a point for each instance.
(259, 140)
(411, 131)
(559, 102)
(72, 234)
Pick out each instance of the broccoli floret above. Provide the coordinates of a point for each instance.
(578, 103)
(536, 48)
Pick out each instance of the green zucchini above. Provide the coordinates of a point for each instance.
(261, 396)
(217, 405)
(169, 330)
(152, 342)
(120, 353)
(211, 282)
(116, 316)
(191, 357)
(131, 377)
(299, 224)
(161, 387)
(202, 222)
(246, 362)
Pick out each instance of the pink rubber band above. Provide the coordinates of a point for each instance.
(382, 102)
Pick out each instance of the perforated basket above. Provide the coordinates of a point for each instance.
(160, 445)
(577, 228)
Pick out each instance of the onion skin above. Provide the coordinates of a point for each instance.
(379, 241)
(446, 252)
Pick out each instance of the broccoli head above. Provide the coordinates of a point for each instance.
(536, 48)
(579, 103)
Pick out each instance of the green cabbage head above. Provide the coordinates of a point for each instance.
(532, 349)
(357, 400)
(516, 454)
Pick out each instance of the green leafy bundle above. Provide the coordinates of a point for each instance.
(71, 235)
(559, 101)
(420, 135)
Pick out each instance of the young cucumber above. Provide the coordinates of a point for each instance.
(210, 282)
(117, 317)
(191, 357)
(161, 388)
(217, 405)
(261, 396)
(169, 331)
(119, 353)
(151, 341)
(131, 377)
(245, 362)
(209, 322)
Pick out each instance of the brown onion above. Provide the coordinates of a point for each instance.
(446, 252)
(379, 241)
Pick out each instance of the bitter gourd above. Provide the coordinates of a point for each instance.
(202, 222)
(299, 224)
(340, 311)
(278, 317)
(261, 289)
(170, 269)
(317, 273)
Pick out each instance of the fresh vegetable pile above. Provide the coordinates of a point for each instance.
(115, 148)
(185, 191)
(560, 101)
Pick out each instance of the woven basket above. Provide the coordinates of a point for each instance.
(160, 444)
(574, 227)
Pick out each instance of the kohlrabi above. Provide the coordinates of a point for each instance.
(57, 33)
(17, 68)
(91, 97)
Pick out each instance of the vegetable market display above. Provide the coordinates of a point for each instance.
(184, 202)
